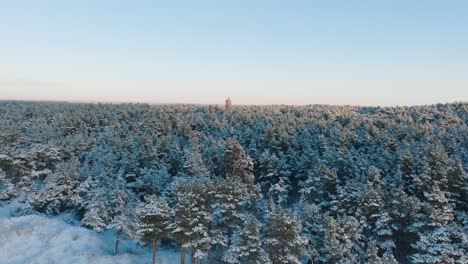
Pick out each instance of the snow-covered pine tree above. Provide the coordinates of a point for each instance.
(341, 240)
(347, 197)
(436, 209)
(124, 225)
(283, 238)
(434, 231)
(405, 215)
(153, 216)
(384, 232)
(97, 216)
(320, 188)
(310, 217)
(370, 199)
(123, 217)
(372, 254)
(98, 213)
(152, 180)
(442, 245)
(227, 212)
(457, 185)
(7, 189)
(99, 210)
(388, 258)
(81, 195)
(407, 172)
(3, 180)
(273, 182)
(237, 163)
(437, 162)
(376, 222)
(231, 199)
(191, 216)
(247, 246)
(57, 188)
(193, 164)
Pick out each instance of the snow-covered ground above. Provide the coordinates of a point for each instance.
(38, 239)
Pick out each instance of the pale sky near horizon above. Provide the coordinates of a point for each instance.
(257, 52)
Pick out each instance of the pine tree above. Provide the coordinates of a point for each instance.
(310, 218)
(3, 180)
(7, 189)
(152, 180)
(99, 210)
(388, 258)
(437, 161)
(153, 217)
(441, 245)
(347, 196)
(193, 163)
(57, 188)
(237, 163)
(82, 193)
(107, 199)
(407, 172)
(121, 203)
(320, 188)
(247, 246)
(227, 211)
(457, 185)
(191, 218)
(372, 256)
(405, 214)
(436, 208)
(97, 216)
(283, 238)
(124, 225)
(370, 199)
(273, 178)
(384, 232)
(341, 240)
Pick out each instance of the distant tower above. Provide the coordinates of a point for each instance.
(228, 104)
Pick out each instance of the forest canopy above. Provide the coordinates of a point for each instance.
(253, 184)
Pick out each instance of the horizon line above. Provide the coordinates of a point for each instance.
(216, 104)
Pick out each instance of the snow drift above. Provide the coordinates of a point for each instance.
(36, 239)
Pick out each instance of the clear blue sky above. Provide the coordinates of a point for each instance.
(257, 52)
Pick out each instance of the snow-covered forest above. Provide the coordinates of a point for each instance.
(255, 184)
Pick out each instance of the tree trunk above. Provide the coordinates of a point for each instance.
(154, 251)
(117, 239)
(208, 256)
(220, 253)
(192, 256)
(182, 255)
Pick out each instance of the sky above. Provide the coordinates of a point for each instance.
(257, 52)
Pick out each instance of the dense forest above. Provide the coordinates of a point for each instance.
(253, 184)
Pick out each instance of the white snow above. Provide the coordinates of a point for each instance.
(37, 239)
